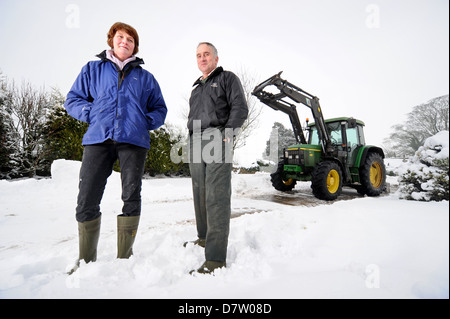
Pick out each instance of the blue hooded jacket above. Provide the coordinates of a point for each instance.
(121, 105)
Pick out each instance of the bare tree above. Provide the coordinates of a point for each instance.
(6, 148)
(254, 109)
(423, 121)
(28, 108)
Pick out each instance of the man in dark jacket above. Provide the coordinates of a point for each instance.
(217, 109)
(121, 102)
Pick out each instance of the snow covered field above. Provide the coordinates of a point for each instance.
(358, 247)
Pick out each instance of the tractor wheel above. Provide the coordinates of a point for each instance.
(281, 184)
(372, 175)
(326, 181)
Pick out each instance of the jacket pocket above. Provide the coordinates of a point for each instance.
(98, 106)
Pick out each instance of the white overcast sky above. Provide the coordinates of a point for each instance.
(373, 60)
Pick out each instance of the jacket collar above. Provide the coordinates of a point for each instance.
(213, 74)
(132, 64)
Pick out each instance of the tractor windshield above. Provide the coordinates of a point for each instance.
(355, 135)
(334, 129)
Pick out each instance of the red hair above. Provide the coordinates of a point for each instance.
(120, 26)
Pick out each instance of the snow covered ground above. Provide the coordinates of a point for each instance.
(358, 247)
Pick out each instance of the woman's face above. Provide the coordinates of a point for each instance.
(123, 45)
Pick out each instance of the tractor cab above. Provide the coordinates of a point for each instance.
(346, 135)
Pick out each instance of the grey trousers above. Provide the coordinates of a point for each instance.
(211, 185)
(97, 166)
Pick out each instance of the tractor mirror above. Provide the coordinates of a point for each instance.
(351, 123)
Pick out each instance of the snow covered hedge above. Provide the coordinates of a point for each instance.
(426, 176)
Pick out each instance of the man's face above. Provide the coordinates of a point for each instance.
(206, 60)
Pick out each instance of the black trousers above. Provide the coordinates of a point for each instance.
(97, 166)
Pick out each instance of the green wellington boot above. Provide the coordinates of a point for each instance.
(126, 233)
(88, 235)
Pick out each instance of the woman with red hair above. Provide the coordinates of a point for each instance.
(121, 102)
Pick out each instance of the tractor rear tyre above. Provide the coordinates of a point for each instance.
(372, 175)
(279, 183)
(326, 182)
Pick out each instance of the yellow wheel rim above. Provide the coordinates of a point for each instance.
(288, 182)
(376, 174)
(333, 181)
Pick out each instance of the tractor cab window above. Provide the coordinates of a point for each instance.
(352, 136)
(362, 140)
(334, 129)
(313, 136)
(355, 136)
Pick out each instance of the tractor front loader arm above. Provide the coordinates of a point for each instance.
(298, 95)
(276, 103)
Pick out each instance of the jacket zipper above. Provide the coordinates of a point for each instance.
(121, 77)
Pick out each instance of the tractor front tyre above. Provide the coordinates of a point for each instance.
(278, 181)
(372, 175)
(326, 182)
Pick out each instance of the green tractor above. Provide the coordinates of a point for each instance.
(335, 154)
